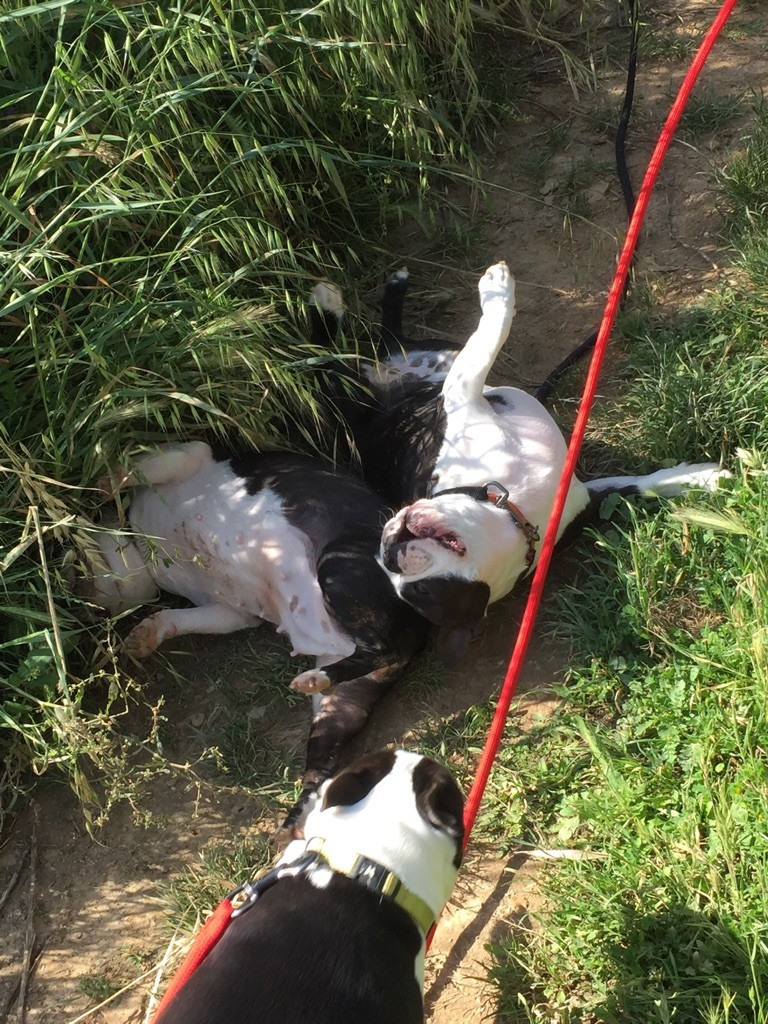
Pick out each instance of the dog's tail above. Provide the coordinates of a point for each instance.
(466, 378)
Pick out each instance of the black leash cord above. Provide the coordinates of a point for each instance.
(545, 390)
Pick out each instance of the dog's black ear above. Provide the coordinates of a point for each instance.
(438, 798)
(358, 779)
(457, 606)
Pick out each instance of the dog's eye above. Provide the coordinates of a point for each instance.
(420, 588)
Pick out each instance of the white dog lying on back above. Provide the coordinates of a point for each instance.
(472, 469)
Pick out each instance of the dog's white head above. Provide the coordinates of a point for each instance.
(400, 809)
(449, 557)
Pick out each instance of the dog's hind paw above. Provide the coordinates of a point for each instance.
(328, 297)
(314, 680)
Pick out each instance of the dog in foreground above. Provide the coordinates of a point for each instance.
(337, 935)
(472, 470)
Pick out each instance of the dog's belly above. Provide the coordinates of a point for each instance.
(209, 540)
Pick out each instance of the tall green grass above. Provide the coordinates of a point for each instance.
(655, 764)
(172, 179)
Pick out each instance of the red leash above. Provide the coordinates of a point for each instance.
(216, 925)
(609, 316)
(205, 940)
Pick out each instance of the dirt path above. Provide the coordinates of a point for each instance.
(97, 914)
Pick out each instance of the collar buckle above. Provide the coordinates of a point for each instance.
(373, 876)
(498, 495)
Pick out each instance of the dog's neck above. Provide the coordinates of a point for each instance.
(387, 828)
(323, 859)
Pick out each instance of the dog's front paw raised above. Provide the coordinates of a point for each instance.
(312, 681)
(145, 638)
(497, 285)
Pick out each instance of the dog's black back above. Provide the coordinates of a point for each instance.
(399, 442)
(369, 980)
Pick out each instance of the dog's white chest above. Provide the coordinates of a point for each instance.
(505, 436)
(209, 540)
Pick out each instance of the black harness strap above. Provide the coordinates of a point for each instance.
(368, 873)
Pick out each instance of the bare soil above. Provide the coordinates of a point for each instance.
(98, 919)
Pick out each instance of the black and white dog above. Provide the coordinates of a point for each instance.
(336, 933)
(472, 469)
(256, 537)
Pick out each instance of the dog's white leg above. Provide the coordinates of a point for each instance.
(465, 379)
(664, 483)
(210, 618)
(171, 463)
(326, 310)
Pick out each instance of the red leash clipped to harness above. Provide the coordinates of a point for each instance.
(609, 316)
(205, 940)
(216, 925)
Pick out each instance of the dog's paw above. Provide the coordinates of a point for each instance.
(314, 680)
(144, 638)
(328, 297)
(281, 839)
(496, 284)
(708, 475)
(293, 826)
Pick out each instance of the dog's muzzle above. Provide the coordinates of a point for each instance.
(408, 558)
(408, 540)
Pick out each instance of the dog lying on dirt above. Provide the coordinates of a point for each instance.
(335, 934)
(473, 470)
(257, 537)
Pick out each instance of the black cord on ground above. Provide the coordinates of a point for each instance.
(545, 390)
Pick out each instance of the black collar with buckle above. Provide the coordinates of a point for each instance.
(498, 495)
(319, 854)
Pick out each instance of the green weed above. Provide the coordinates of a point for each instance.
(97, 987)
(656, 760)
(708, 113)
(194, 894)
(173, 182)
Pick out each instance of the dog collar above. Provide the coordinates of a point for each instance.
(498, 495)
(319, 854)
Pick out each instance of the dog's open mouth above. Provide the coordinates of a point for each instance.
(401, 550)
